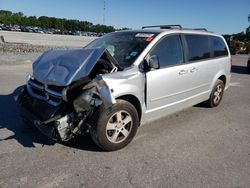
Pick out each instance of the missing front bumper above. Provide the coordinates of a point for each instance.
(37, 113)
(48, 130)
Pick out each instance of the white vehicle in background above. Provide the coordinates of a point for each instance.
(122, 79)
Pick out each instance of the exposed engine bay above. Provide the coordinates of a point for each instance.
(65, 89)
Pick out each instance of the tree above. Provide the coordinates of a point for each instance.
(7, 17)
(248, 34)
(44, 21)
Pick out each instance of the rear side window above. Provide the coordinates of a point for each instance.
(169, 51)
(198, 47)
(218, 46)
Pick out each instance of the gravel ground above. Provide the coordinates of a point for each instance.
(21, 48)
(46, 39)
(17, 48)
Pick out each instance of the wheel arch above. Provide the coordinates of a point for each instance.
(220, 76)
(134, 101)
(223, 78)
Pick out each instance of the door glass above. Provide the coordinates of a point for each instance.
(198, 47)
(169, 51)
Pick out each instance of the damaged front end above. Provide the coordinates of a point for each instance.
(65, 89)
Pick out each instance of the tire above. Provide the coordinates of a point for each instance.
(216, 94)
(248, 67)
(114, 128)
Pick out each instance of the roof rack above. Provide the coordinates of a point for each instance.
(198, 29)
(175, 27)
(164, 26)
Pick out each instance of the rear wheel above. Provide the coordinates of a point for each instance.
(216, 94)
(114, 129)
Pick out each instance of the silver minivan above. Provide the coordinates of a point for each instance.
(124, 79)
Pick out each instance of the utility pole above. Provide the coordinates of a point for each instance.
(249, 19)
(104, 9)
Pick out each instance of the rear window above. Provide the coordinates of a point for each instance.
(218, 46)
(198, 47)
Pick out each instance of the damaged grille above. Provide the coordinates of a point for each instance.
(52, 94)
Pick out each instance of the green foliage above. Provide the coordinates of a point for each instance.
(239, 43)
(7, 17)
(248, 34)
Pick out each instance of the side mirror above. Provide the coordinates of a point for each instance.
(153, 62)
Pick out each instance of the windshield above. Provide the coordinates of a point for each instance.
(125, 47)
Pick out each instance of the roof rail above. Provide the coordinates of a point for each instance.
(174, 27)
(198, 29)
(164, 26)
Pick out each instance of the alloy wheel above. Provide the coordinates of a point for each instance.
(119, 126)
(218, 94)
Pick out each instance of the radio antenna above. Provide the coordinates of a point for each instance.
(249, 19)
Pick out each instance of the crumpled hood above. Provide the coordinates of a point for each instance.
(62, 67)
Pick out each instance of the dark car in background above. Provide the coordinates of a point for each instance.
(10, 27)
(248, 65)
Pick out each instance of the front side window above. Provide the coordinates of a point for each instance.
(218, 46)
(125, 47)
(198, 47)
(169, 51)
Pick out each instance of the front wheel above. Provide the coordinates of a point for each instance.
(115, 128)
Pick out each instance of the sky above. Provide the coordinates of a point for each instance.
(219, 16)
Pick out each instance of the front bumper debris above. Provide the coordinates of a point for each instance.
(48, 130)
(29, 108)
(67, 119)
